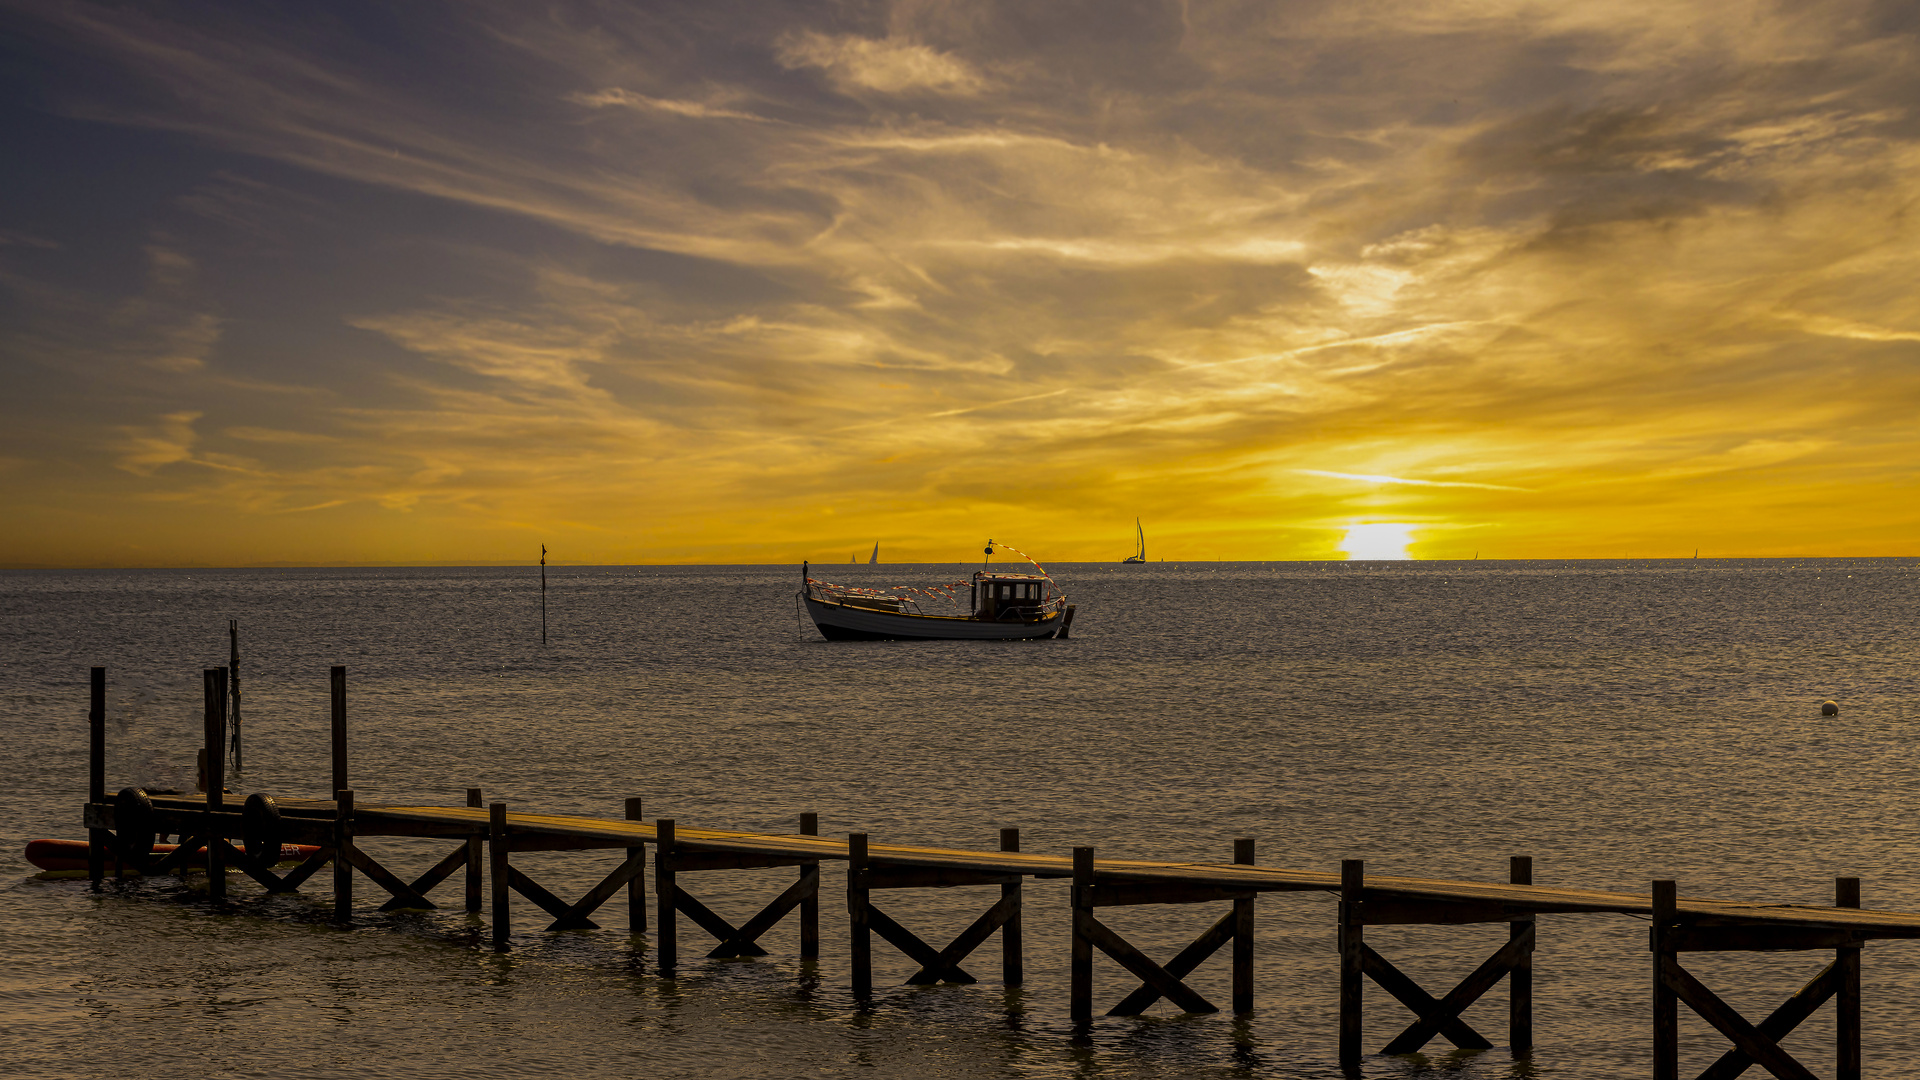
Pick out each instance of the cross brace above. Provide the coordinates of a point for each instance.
(1442, 1016)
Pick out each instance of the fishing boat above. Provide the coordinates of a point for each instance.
(1000, 605)
(1140, 555)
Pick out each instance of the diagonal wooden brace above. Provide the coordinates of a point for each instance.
(575, 917)
(1179, 967)
(424, 884)
(740, 941)
(179, 856)
(712, 923)
(1781, 1023)
(236, 857)
(918, 951)
(1395, 982)
(1749, 1039)
(1144, 969)
(538, 893)
(962, 947)
(298, 876)
(384, 878)
(1438, 1018)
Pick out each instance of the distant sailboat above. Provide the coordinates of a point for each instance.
(874, 559)
(1140, 555)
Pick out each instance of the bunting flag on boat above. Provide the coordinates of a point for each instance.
(1029, 558)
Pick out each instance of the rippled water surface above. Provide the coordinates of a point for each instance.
(1617, 721)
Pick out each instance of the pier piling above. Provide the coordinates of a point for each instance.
(810, 907)
(214, 682)
(666, 945)
(499, 874)
(636, 888)
(98, 840)
(476, 840)
(342, 857)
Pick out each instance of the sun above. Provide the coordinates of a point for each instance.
(1384, 540)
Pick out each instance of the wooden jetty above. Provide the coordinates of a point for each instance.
(484, 839)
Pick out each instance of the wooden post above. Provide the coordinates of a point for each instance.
(233, 687)
(637, 888)
(1012, 956)
(342, 844)
(1243, 936)
(1666, 1004)
(810, 907)
(1846, 1005)
(1080, 975)
(859, 928)
(214, 684)
(475, 844)
(1520, 979)
(1353, 878)
(97, 839)
(339, 681)
(667, 939)
(499, 873)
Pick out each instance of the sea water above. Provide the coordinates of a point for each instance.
(1618, 721)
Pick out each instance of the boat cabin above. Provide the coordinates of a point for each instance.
(998, 595)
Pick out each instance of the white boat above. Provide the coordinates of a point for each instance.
(1000, 606)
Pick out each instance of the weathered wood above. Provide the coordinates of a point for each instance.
(666, 944)
(190, 843)
(628, 872)
(918, 951)
(500, 872)
(1242, 936)
(1130, 894)
(1387, 910)
(337, 683)
(1182, 965)
(637, 887)
(1763, 1050)
(741, 942)
(1520, 977)
(1760, 938)
(1012, 959)
(859, 917)
(1417, 1000)
(343, 855)
(947, 966)
(1666, 1006)
(98, 838)
(1780, 1023)
(1080, 973)
(424, 884)
(1846, 1017)
(539, 894)
(214, 776)
(475, 840)
(1446, 1012)
(266, 878)
(298, 876)
(1352, 960)
(810, 904)
(1146, 970)
(883, 876)
(404, 896)
(722, 860)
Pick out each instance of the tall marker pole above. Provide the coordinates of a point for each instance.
(233, 687)
(543, 594)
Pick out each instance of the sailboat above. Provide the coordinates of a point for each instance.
(1140, 555)
(874, 559)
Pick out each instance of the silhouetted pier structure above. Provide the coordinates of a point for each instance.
(485, 838)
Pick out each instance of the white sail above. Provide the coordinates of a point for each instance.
(874, 559)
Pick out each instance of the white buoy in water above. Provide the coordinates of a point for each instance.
(1829, 708)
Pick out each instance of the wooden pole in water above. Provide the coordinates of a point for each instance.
(1243, 935)
(543, 594)
(97, 839)
(1012, 952)
(810, 907)
(1666, 1004)
(637, 888)
(475, 842)
(342, 847)
(1353, 879)
(859, 922)
(1520, 979)
(339, 686)
(214, 683)
(1846, 1004)
(233, 687)
(666, 938)
(1080, 973)
(500, 873)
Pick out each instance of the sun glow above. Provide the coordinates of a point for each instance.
(1385, 540)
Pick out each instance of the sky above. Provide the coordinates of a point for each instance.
(715, 282)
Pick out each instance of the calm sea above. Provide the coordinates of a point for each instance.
(1617, 721)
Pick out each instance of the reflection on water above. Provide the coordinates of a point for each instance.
(1618, 721)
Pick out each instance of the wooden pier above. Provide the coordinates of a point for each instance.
(484, 838)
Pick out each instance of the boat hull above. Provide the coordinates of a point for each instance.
(841, 622)
(69, 856)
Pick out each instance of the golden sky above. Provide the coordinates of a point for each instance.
(715, 282)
